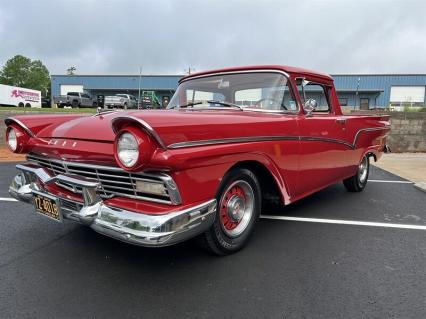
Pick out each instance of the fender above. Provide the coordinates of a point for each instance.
(213, 169)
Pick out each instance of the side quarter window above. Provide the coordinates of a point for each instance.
(318, 92)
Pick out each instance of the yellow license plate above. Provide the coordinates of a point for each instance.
(47, 205)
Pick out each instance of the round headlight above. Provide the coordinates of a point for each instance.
(127, 149)
(12, 140)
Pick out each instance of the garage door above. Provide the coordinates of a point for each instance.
(414, 94)
(71, 88)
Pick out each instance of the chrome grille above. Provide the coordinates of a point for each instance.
(113, 180)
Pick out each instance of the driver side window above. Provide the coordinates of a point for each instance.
(316, 92)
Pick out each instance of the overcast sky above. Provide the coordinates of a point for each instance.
(167, 36)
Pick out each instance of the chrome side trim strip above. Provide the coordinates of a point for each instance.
(145, 125)
(11, 120)
(368, 129)
(231, 140)
(324, 139)
(250, 139)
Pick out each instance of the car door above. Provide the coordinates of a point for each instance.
(323, 139)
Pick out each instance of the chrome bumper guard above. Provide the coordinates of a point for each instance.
(135, 228)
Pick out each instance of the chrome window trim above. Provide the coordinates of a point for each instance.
(286, 75)
(235, 72)
(167, 180)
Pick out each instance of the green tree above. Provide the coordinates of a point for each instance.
(21, 71)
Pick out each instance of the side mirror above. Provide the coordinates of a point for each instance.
(310, 106)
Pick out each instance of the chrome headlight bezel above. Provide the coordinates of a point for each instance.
(127, 149)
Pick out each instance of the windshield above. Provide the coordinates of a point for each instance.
(256, 90)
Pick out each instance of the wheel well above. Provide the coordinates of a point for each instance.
(268, 186)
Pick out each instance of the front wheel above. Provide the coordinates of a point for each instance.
(358, 182)
(238, 209)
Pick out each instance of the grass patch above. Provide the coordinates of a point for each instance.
(46, 110)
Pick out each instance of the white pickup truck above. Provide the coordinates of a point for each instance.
(124, 101)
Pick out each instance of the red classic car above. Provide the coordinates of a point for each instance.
(230, 141)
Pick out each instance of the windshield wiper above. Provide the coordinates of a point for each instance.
(229, 104)
(187, 105)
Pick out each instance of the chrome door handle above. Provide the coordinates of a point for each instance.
(341, 120)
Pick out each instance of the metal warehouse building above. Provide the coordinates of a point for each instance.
(356, 91)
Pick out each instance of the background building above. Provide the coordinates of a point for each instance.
(356, 91)
(160, 87)
(367, 91)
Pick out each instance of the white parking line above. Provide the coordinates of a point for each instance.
(382, 181)
(343, 222)
(7, 199)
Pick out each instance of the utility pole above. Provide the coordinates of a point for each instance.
(70, 70)
(189, 70)
(139, 87)
(356, 95)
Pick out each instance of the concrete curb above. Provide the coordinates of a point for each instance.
(421, 186)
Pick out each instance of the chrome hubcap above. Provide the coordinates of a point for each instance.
(236, 208)
(363, 170)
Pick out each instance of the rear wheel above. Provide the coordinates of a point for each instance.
(238, 209)
(74, 104)
(27, 105)
(20, 104)
(358, 182)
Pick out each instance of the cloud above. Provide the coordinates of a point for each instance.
(166, 36)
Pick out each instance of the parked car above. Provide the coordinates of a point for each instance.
(124, 101)
(230, 142)
(76, 99)
(20, 97)
(45, 102)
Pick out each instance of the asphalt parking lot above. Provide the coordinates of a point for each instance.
(371, 265)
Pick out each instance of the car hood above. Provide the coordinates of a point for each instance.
(175, 126)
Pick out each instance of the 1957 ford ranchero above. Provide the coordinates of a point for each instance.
(230, 141)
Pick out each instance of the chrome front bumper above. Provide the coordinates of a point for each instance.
(132, 227)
